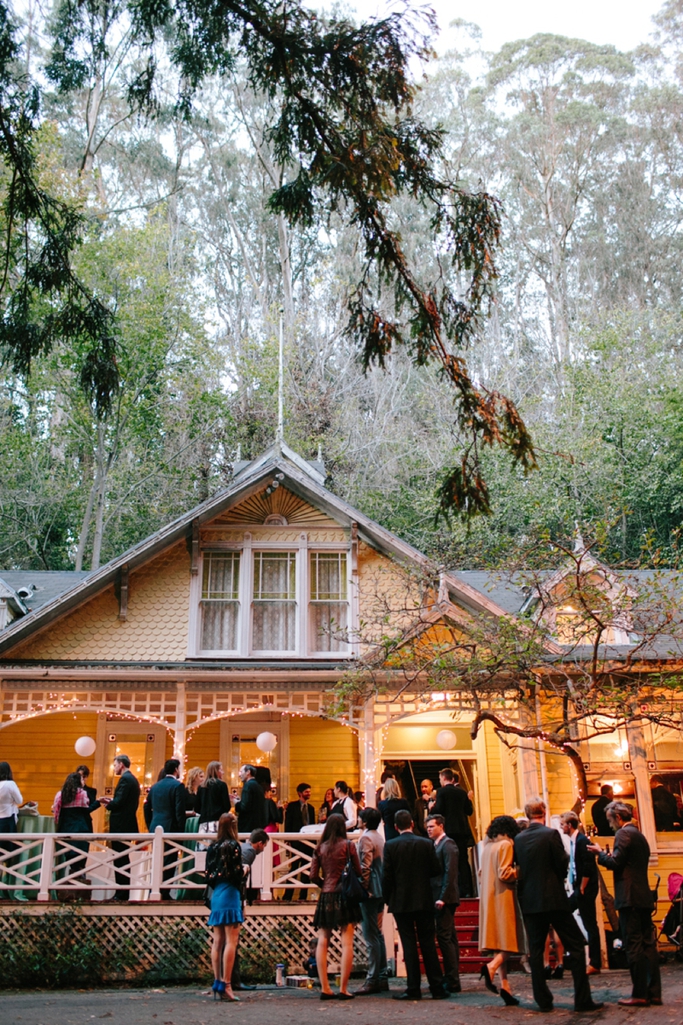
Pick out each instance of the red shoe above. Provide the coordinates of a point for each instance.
(633, 1002)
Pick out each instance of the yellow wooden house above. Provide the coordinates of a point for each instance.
(241, 617)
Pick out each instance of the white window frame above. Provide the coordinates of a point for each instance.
(245, 649)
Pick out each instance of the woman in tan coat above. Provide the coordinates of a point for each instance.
(500, 920)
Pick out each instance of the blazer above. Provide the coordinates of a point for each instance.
(409, 863)
(251, 809)
(213, 800)
(453, 803)
(165, 806)
(420, 813)
(585, 866)
(294, 821)
(629, 861)
(123, 808)
(93, 804)
(599, 818)
(543, 863)
(446, 888)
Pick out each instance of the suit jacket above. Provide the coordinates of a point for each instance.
(93, 804)
(124, 805)
(294, 821)
(629, 861)
(409, 863)
(543, 863)
(419, 815)
(599, 818)
(252, 812)
(585, 866)
(446, 887)
(453, 803)
(665, 809)
(165, 806)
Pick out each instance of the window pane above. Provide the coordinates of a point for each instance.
(220, 607)
(274, 626)
(221, 575)
(328, 626)
(328, 576)
(274, 576)
(219, 625)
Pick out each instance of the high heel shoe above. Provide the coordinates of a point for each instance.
(508, 998)
(484, 974)
(229, 996)
(218, 989)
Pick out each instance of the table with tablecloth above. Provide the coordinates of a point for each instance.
(29, 823)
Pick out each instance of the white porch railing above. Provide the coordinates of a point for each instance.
(141, 866)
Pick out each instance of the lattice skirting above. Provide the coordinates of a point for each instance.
(69, 946)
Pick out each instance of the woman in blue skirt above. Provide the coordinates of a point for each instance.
(224, 873)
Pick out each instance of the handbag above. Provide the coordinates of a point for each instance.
(208, 896)
(351, 887)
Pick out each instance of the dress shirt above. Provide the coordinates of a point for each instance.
(10, 798)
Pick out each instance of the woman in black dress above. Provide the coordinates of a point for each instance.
(213, 799)
(332, 911)
(391, 803)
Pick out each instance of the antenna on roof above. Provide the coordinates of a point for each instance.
(280, 436)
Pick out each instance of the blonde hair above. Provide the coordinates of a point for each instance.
(192, 775)
(391, 790)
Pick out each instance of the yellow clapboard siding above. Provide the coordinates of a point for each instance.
(203, 745)
(495, 772)
(320, 753)
(41, 753)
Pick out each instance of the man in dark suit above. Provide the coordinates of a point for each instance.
(456, 806)
(165, 804)
(165, 807)
(446, 899)
(598, 810)
(583, 882)
(251, 808)
(634, 901)
(409, 863)
(664, 806)
(542, 863)
(123, 812)
(299, 814)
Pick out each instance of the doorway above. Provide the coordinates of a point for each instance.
(145, 745)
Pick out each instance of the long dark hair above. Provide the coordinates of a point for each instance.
(72, 784)
(503, 825)
(5, 771)
(227, 827)
(335, 829)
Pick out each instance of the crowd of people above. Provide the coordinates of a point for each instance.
(537, 885)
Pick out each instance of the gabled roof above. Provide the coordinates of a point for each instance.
(35, 588)
(300, 477)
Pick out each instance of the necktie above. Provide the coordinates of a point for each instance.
(572, 864)
(304, 814)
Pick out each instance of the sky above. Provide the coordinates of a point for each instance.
(624, 23)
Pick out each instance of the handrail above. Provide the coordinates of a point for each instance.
(144, 866)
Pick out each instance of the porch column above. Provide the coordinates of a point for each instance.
(180, 731)
(367, 753)
(638, 756)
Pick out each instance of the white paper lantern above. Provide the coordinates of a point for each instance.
(446, 740)
(85, 746)
(266, 742)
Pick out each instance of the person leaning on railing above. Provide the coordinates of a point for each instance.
(10, 802)
(71, 809)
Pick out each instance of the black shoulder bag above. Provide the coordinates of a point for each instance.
(351, 887)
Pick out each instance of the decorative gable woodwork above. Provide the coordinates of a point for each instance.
(279, 503)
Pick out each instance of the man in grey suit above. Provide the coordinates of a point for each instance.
(446, 899)
(542, 862)
(409, 863)
(634, 901)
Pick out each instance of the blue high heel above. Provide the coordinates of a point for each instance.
(218, 989)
